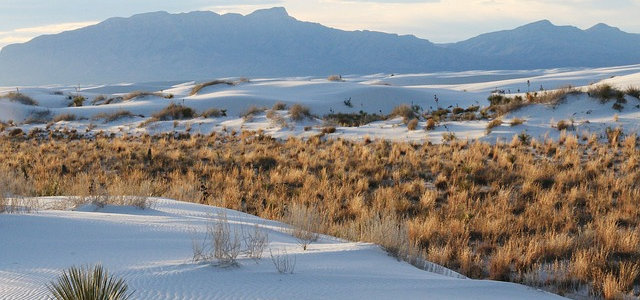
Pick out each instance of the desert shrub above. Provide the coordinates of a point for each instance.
(493, 124)
(114, 116)
(633, 92)
(614, 135)
(174, 112)
(283, 262)
(64, 117)
(431, 124)
(449, 136)
(413, 124)
(198, 87)
(220, 245)
(251, 112)
(215, 113)
(517, 121)
(617, 106)
(328, 130)
(305, 222)
(77, 101)
(38, 117)
(255, 241)
(458, 110)
(405, 111)
(276, 118)
(299, 112)
(100, 99)
(15, 132)
(440, 113)
(20, 98)
(89, 283)
(564, 125)
(279, 106)
(335, 78)
(353, 119)
(498, 99)
(142, 94)
(604, 92)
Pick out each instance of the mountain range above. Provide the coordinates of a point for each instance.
(159, 46)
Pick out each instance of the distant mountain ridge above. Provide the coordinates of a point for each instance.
(199, 45)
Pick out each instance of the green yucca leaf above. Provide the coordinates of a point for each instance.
(87, 283)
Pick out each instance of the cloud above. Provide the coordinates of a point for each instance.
(21, 35)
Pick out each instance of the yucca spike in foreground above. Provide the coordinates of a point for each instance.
(88, 283)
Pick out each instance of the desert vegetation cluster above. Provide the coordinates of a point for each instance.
(561, 215)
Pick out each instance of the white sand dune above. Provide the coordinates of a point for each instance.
(378, 93)
(152, 249)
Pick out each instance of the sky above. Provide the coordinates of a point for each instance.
(439, 21)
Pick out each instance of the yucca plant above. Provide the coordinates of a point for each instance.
(88, 283)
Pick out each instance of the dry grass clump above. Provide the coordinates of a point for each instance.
(198, 87)
(516, 121)
(279, 106)
(299, 112)
(77, 101)
(413, 124)
(559, 216)
(64, 117)
(352, 119)
(605, 92)
(564, 125)
(335, 78)
(174, 112)
(142, 94)
(633, 92)
(431, 124)
(114, 116)
(405, 111)
(214, 113)
(493, 124)
(251, 112)
(20, 98)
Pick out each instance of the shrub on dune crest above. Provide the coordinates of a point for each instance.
(175, 112)
(20, 98)
(299, 112)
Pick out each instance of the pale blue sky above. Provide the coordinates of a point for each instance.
(436, 20)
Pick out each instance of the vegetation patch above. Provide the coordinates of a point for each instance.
(20, 98)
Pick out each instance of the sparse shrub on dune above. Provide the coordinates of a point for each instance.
(335, 78)
(604, 92)
(516, 121)
(633, 92)
(114, 116)
(198, 87)
(405, 111)
(64, 117)
(251, 112)
(493, 124)
(77, 101)
(174, 112)
(279, 106)
(89, 283)
(20, 98)
(142, 94)
(352, 119)
(413, 124)
(299, 112)
(214, 113)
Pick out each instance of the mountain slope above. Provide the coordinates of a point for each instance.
(544, 45)
(197, 45)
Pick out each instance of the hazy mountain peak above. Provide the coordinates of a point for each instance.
(274, 12)
(539, 24)
(602, 27)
